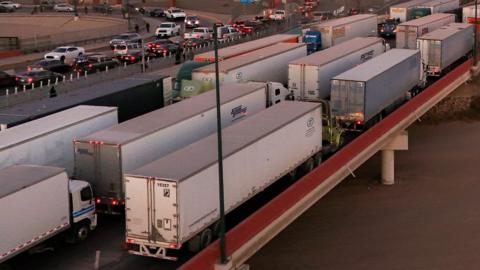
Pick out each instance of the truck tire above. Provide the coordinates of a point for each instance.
(194, 244)
(307, 166)
(205, 238)
(292, 175)
(82, 231)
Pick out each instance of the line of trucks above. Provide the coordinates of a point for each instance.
(161, 167)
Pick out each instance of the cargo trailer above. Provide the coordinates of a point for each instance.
(246, 47)
(147, 91)
(309, 77)
(48, 140)
(468, 14)
(267, 64)
(174, 200)
(102, 157)
(437, 6)
(362, 95)
(408, 32)
(445, 46)
(403, 11)
(336, 31)
(39, 202)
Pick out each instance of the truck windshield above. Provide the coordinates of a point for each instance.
(310, 39)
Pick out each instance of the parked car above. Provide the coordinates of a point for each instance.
(103, 8)
(51, 65)
(125, 38)
(353, 11)
(125, 48)
(157, 12)
(10, 4)
(167, 29)
(160, 47)
(199, 32)
(63, 53)
(7, 80)
(63, 7)
(175, 13)
(322, 15)
(192, 21)
(37, 76)
(278, 15)
(47, 5)
(95, 63)
(194, 42)
(4, 9)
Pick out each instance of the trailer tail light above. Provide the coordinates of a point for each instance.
(114, 202)
(174, 246)
(130, 241)
(359, 122)
(96, 142)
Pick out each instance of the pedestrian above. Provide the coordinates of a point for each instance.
(52, 92)
(178, 57)
(147, 26)
(137, 29)
(86, 10)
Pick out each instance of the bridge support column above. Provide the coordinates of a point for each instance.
(399, 142)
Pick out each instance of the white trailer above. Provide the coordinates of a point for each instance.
(48, 140)
(364, 94)
(39, 202)
(267, 64)
(246, 47)
(104, 156)
(468, 14)
(403, 11)
(439, 6)
(336, 31)
(443, 47)
(174, 200)
(309, 77)
(408, 32)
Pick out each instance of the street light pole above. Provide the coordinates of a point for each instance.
(475, 36)
(223, 244)
(75, 8)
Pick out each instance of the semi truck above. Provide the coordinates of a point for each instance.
(266, 64)
(48, 140)
(435, 6)
(362, 95)
(408, 32)
(173, 201)
(103, 157)
(40, 202)
(468, 14)
(309, 77)
(403, 11)
(246, 47)
(147, 91)
(443, 47)
(336, 31)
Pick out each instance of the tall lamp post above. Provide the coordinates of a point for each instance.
(75, 8)
(475, 36)
(223, 244)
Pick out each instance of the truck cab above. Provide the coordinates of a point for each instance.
(83, 215)
(313, 39)
(388, 28)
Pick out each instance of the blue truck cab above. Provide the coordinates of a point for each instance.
(313, 39)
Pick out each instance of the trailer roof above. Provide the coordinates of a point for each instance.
(427, 19)
(18, 177)
(143, 125)
(51, 123)
(436, 3)
(376, 66)
(202, 154)
(408, 4)
(338, 51)
(23, 112)
(251, 57)
(245, 47)
(447, 31)
(346, 20)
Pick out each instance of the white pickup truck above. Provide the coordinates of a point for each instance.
(200, 33)
(167, 29)
(278, 15)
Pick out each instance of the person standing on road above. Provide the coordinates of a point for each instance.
(147, 26)
(137, 29)
(86, 10)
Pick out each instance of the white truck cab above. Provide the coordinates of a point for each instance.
(83, 208)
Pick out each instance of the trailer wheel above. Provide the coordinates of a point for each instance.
(194, 244)
(292, 175)
(307, 166)
(81, 232)
(205, 238)
(318, 159)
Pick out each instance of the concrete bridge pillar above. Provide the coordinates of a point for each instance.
(399, 142)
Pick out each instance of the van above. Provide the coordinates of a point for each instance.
(125, 48)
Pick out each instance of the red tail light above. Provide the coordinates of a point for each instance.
(115, 202)
(17, 78)
(130, 241)
(158, 46)
(174, 246)
(359, 122)
(29, 68)
(90, 65)
(30, 80)
(98, 200)
(132, 58)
